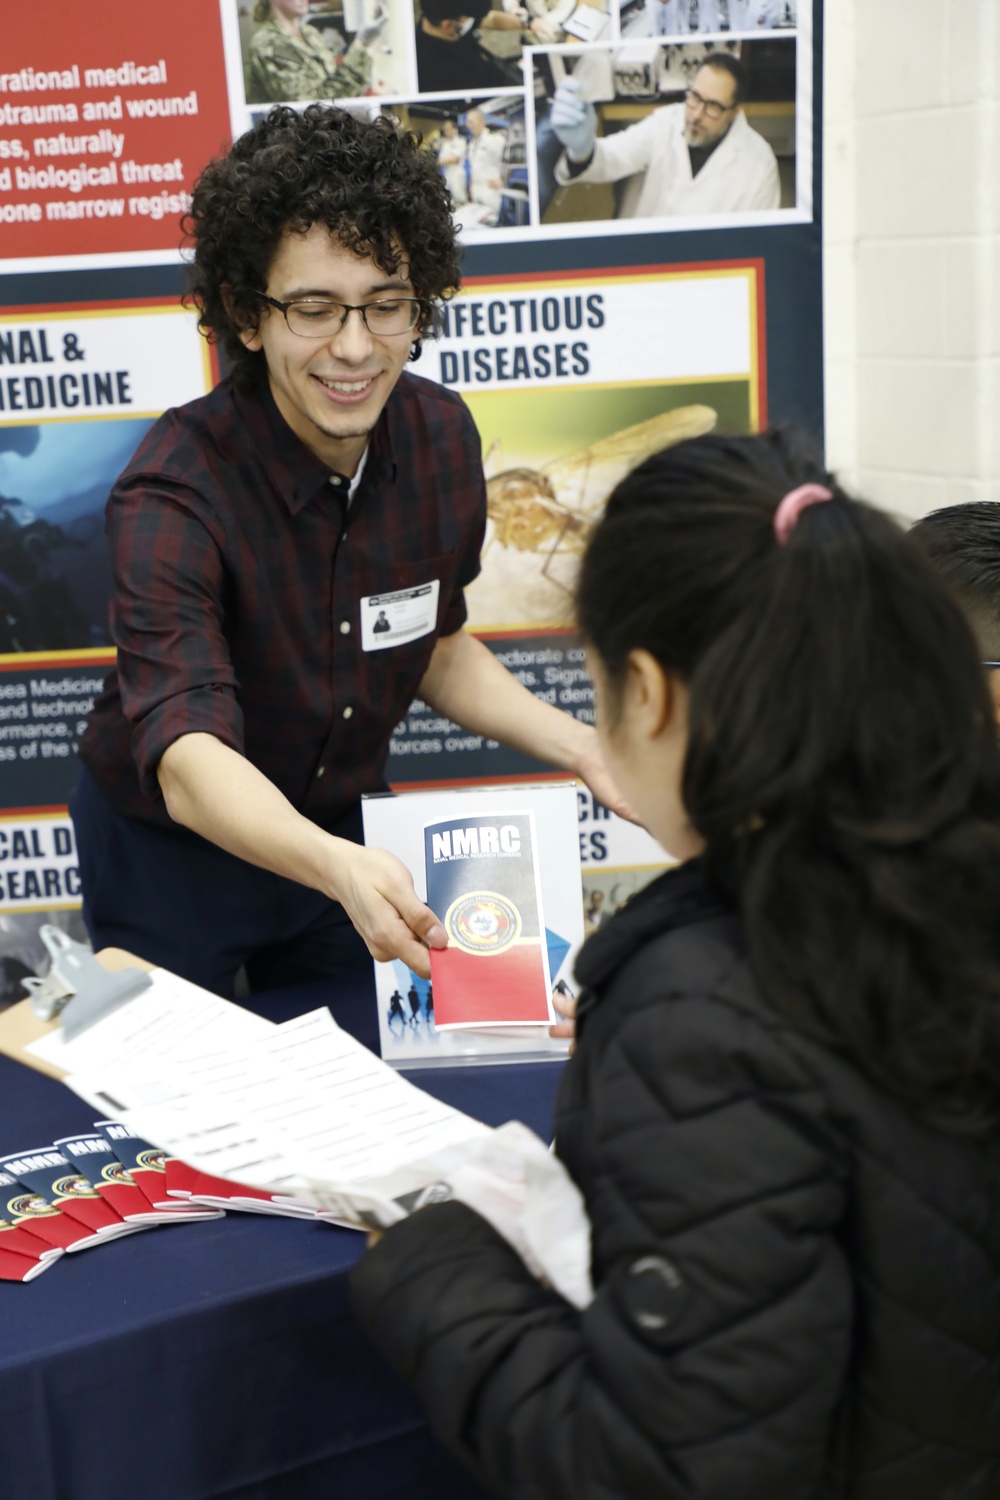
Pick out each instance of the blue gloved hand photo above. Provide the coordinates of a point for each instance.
(574, 120)
(370, 32)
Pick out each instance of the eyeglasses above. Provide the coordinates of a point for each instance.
(713, 110)
(312, 319)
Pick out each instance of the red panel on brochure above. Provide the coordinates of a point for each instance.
(20, 1267)
(17, 1239)
(30, 1211)
(507, 989)
(223, 1187)
(111, 1179)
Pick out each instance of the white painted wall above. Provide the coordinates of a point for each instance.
(912, 249)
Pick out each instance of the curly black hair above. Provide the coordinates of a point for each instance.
(368, 181)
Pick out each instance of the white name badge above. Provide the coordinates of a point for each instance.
(393, 619)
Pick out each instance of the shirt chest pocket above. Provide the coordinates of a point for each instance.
(400, 612)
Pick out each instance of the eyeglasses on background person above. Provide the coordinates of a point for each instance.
(712, 108)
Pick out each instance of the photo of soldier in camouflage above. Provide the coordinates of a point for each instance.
(294, 51)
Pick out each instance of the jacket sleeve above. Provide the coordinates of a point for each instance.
(712, 1357)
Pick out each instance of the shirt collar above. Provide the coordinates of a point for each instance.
(296, 473)
(339, 482)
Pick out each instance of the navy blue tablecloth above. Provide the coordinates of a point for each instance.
(219, 1359)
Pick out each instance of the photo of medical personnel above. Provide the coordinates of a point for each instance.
(479, 146)
(682, 17)
(676, 132)
(477, 44)
(299, 50)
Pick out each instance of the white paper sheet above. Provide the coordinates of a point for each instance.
(305, 1112)
(170, 1020)
(287, 1106)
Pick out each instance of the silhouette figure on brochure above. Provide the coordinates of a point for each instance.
(396, 1011)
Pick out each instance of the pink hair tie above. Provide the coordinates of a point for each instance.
(795, 502)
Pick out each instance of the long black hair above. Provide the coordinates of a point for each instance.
(842, 765)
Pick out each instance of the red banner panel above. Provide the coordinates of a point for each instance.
(107, 115)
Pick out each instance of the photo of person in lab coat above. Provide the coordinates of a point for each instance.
(451, 156)
(485, 161)
(761, 15)
(478, 145)
(700, 156)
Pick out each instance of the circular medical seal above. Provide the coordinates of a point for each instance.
(113, 1171)
(74, 1187)
(482, 922)
(31, 1205)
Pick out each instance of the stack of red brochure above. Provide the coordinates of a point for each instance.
(81, 1191)
(88, 1189)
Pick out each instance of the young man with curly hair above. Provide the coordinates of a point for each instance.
(258, 536)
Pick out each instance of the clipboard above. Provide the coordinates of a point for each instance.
(19, 1025)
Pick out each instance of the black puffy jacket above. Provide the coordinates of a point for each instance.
(797, 1284)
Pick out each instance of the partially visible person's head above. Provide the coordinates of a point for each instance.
(963, 544)
(287, 9)
(454, 18)
(819, 716)
(367, 182)
(476, 121)
(449, 128)
(720, 86)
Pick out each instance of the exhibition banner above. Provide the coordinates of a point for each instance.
(610, 307)
(134, 359)
(80, 385)
(573, 380)
(38, 864)
(107, 115)
(482, 103)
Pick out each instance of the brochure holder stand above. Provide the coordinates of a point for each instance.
(408, 1032)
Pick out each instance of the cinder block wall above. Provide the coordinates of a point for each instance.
(912, 249)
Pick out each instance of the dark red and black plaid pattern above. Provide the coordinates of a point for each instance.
(237, 588)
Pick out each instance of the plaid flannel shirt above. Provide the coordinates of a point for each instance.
(238, 575)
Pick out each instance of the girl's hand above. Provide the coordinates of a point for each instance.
(566, 1006)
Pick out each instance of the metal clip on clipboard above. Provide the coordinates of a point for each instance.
(76, 987)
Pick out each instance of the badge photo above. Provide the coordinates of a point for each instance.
(399, 617)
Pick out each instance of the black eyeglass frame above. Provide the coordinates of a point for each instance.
(711, 108)
(421, 308)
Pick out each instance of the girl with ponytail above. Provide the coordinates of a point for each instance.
(784, 1108)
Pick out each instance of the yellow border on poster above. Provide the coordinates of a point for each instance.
(156, 310)
(98, 656)
(748, 273)
(40, 817)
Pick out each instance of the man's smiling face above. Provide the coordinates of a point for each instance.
(330, 390)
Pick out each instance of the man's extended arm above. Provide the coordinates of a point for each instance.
(615, 156)
(215, 791)
(219, 794)
(466, 682)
